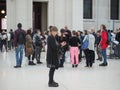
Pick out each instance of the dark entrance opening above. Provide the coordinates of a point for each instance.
(40, 12)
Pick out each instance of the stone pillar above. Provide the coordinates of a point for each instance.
(19, 11)
(68, 13)
(51, 12)
(44, 17)
(11, 14)
(24, 13)
(59, 13)
(103, 12)
(29, 13)
(77, 15)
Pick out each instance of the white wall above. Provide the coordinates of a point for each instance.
(60, 13)
(77, 15)
(101, 15)
(19, 11)
(11, 15)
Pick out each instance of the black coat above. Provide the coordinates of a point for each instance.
(52, 52)
(118, 37)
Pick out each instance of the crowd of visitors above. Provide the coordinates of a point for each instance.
(79, 43)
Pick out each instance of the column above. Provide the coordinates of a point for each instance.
(44, 17)
(24, 13)
(59, 13)
(68, 11)
(29, 13)
(51, 12)
(103, 12)
(77, 14)
(11, 16)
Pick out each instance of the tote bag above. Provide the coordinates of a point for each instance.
(85, 44)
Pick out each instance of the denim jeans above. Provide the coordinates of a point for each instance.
(19, 54)
(104, 54)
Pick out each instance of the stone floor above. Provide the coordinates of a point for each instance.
(36, 77)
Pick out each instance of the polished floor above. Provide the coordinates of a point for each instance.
(36, 77)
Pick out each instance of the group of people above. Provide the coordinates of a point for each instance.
(6, 40)
(76, 42)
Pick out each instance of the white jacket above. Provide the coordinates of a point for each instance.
(8, 36)
(91, 42)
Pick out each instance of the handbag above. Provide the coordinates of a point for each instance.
(85, 44)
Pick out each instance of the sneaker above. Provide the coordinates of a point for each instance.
(73, 66)
(17, 66)
(61, 66)
(53, 84)
(99, 59)
(39, 62)
(76, 65)
(103, 64)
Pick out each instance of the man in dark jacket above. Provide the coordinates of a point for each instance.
(38, 46)
(52, 55)
(19, 42)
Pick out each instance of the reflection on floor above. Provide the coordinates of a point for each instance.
(36, 77)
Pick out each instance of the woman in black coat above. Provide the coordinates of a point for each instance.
(53, 49)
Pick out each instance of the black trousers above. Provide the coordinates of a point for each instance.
(80, 54)
(33, 56)
(90, 55)
(3, 42)
(51, 75)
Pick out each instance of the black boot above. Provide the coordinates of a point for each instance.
(53, 84)
(38, 62)
(31, 63)
(76, 65)
(73, 65)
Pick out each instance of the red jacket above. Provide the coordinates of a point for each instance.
(104, 38)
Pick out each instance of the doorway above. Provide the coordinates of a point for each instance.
(40, 12)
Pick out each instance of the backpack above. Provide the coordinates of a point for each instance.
(38, 41)
(85, 44)
(108, 38)
(21, 38)
(12, 36)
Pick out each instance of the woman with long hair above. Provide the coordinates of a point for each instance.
(29, 48)
(104, 44)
